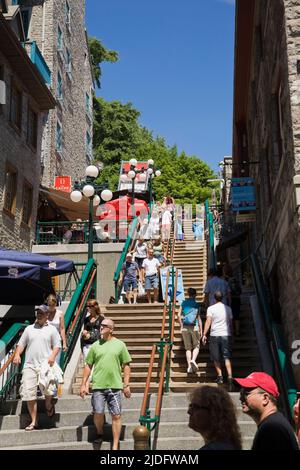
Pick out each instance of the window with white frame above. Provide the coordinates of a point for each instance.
(88, 144)
(68, 62)
(68, 15)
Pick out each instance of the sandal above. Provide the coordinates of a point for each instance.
(31, 427)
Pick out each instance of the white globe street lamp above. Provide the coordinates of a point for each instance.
(88, 190)
(92, 171)
(106, 195)
(76, 196)
(131, 174)
(96, 201)
(133, 162)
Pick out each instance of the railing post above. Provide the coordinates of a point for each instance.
(141, 437)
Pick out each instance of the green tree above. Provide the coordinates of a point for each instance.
(118, 136)
(100, 54)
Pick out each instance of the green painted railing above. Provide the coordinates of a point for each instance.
(74, 316)
(9, 372)
(212, 257)
(276, 343)
(131, 237)
(75, 313)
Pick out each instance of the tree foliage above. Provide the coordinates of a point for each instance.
(100, 54)
(118, 136)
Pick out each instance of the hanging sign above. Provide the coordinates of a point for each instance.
(243, 194)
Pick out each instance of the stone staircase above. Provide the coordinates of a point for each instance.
(72, 428)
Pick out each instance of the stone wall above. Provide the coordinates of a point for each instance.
(15, 151)
(47, 17)
(275, 86)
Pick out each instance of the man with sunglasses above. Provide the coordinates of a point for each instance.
(258, 396)
(108, 356)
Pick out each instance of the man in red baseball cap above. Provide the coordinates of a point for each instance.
(258, 396)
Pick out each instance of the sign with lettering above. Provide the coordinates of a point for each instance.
(163, 279)
(140, 182)
(243, 194)
(63, 183)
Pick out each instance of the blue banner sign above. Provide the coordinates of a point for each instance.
(180, 289)
(243, 194)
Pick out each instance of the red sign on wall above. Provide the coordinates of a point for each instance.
(63, 183)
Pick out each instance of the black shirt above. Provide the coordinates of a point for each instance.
(93, 328)
(218, 445)
(275, 433)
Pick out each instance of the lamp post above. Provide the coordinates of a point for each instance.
(152, 172)
(90, 189)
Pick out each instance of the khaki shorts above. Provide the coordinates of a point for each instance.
(29, 385)
(191, 338)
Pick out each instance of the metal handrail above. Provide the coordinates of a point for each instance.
(128, 245)
(10, 340)
(276, 342)
(165, 349)
(76, 310)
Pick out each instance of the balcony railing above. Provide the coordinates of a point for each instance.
(56, 233)
(38, 60)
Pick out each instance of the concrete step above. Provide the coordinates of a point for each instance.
(182, 443)
(14, 438)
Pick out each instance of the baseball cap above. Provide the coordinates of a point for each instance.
(43, 308)
(261, 380)
(129, 255)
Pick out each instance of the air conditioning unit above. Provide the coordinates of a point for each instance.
(2, 92)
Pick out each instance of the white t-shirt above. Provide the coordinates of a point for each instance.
(221, 316)
(166, 218)
(140, 250)
(150, 266)
(39, 343)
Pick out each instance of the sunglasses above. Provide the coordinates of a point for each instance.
(245, 393)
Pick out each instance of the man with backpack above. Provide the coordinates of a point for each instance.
(191, 329)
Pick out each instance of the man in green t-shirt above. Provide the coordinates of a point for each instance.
(107, 356)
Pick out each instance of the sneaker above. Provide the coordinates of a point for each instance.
(190, 370)
(219, 380)
(194, 367)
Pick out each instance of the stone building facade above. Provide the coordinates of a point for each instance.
(58, 27)
(24, 103)
(267, 145)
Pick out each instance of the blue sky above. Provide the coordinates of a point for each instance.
(175, 66)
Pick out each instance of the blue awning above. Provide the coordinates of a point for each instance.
(14, 270)
(51, 264)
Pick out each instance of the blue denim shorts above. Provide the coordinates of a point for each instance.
(151, 282)
(129, 283)
(110, 396)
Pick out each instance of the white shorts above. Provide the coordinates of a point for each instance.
(29, 385)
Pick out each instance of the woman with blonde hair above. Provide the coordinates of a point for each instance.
(56, 318)
(213, 415)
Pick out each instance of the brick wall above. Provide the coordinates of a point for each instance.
(275, 85)
(71, 111)
(15, 151)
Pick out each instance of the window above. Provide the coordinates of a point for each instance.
(58, 137)
(27, 203)
(10, 191)
(26, 15)
(32, 128)
(88, 104)
(59, 39)
(88, 144)
(68, 62)
(15, 106)
(68, 15)
(59, 87)
(2, 88)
